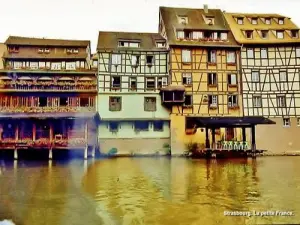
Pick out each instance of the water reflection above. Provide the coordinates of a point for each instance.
(148, 191)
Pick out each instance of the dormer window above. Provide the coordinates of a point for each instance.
(249, 34)
(240, 20)
(295, 33)
(40, 50)
(130, 44)
(160, 44)
(75, 50)
(47, 50)
(268, 21)
(210, 20)
(180, 34)
(13, 49)
(254, 21)
(197, 35)
(281, 21)
(224, 36)
(280, 34)
(264, 34)
(43, 50)
(182, 20)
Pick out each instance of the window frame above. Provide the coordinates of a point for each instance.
(258, 76)
(229, 78)
(187, 59)
(187, 76)
(228, 54)
(114, 61)
(146, 104)
(288, 120)
(279, 101)
(262, 56)
(119, 102)
(258, 100)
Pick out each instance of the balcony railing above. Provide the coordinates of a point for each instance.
(46, 109)
(48, 86)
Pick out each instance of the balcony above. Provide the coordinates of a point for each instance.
(9, 69)
(51, 86)
(25, 109)
(173, 95)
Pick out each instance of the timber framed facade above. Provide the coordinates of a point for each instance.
(47, 95)
(270, 59)
(132, 68)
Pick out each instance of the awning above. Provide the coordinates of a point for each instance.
(85, 79)
(49, 115)
(65, 79)
(45, 78)
(24, 78)
(228, 121)
(5, 78)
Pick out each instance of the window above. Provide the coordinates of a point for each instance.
(150, 104)
(254, 21)
(224, 36)
(13, 49)
(250, 53)
(232, 100)
(180, 34)
(42, 64)
(135, 60)
(264, 53)
(141, 125)
(255, 76)
(116, 82)
(160, 44)
(84, 102)
(70, 66)
(282, 76)
(210, 20)
(231, 57)
(95, 63)
(113, 126)
(162, 82)
(298, 52)
(115, 103)
(42, 101)
(149, 59)
(280, 34)
(55, 66)
(240, 21)
(150, 83)
(286, 122)
(183, 19)
(40, 50)
(186, 78)
(257, 101)
(186, 56)
(116, 59)
(268, 21)
(133, 84)
(232, 79)
(63, 101)
(197, 35)
(18, 65)
(212, 79)
(212, 56)
(134, 44)
(264, 34)
(298, 122)
(281, 21)
(35, 65)
(295, 33)
(249, 34)
(188, 100)
(213, 100)
(281, 102)
(158, 125)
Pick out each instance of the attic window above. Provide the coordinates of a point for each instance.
(72, 50)
(13, 49)
(281, 21)
(130, 44)
(240, 20)
(295, 33)
(249, 34)
(268, 21)
(160, 44)
(280, 34)
(210, 20)
(182, 20)
(254, 21)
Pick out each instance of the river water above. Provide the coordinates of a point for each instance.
(158, 191)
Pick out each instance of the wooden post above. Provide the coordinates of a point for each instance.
(244, 133)
(207, 145)
(17, 132)
(86, 139)
(213, 138)
(15, 154)
(51, 132)
(253, 142)
(50, 154)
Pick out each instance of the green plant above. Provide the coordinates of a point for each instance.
(112, 151)
(167, 148)
(191, 148)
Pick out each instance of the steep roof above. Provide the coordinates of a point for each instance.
(110, 40)
(196, 21)
(238, 30)
(15, 40)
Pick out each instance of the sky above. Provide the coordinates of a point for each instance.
(82, 19)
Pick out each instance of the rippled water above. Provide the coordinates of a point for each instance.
(156, 191)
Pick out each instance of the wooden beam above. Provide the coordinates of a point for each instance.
(253, 142)
(207, 145)
(244, 133)
(213, 138)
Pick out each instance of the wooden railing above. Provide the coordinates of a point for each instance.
(24, 109)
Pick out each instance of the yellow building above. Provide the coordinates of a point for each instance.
(270, 59)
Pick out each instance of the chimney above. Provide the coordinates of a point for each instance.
(205, 8)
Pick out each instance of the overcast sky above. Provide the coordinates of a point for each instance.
(82, 19)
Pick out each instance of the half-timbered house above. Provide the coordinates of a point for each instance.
(47, 95)
(270, 60)
(132, 67)
(205, 78)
